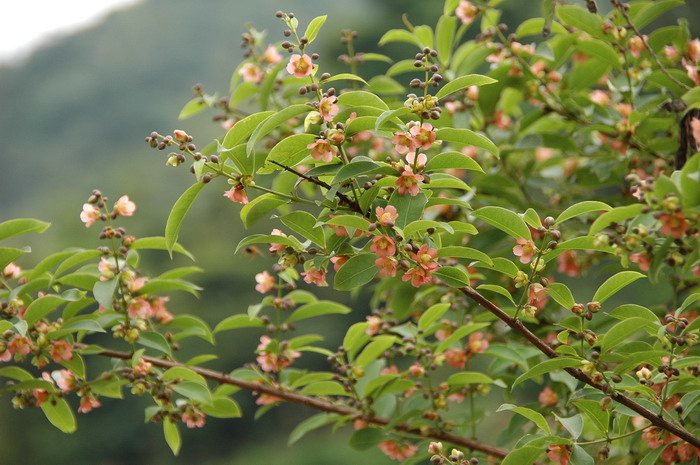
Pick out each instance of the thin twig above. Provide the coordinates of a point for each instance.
(350, 202)
(542, 346)
(318, 404)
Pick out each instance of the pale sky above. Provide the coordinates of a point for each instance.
(28, 24)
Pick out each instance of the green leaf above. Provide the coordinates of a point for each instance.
(177, 215)
(272, 122)
(19, 226)
(172, 435)
(579, 456)
(308, 425)
(652, 11)
(561, 294)
(354, 169)
(525, 455)
(192, 107)
(42, 307)
(183, 373)
(409, 207)
(222, 407)
(498, 290)
(194, 391)
(158, 243)
(422, 225)
(547, 366)
(652, 457)
(103, 291)
(599, 50)
(162, 285)
(322, 307)
(289, 152)
(15, 373)
(374, 349)
(632, 310)
(581, 19)
(260, 207)
(530, 414)
(452, 276)
(445, 36)
(621, 332)
(399, 35)
(431, 315)
(305, 224)
(356, 272)
(464, 378)
(690, 182)
(615, 215)
(457, 251)
(10, 254)
(452, 160)
(366, 438)
(425, 35)
(360, 98)
(240, 131)
(313, 27)
(238, 321)
(574, 425)
(582, 208)
(534, 26)
(344, 76)
(614, 284)
(461, 332)
(463, 82)
(350, 221)
(59, 414)
(269, 239)
(324, 388)
(507, 221)
(154, 340)
(355, 337)
(592, 409)
(386, 384)
(467, 137)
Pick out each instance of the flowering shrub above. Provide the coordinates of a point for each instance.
(461, 206)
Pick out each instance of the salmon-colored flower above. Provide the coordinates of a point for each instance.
(600, 97)
(251, 73)
(423, 134)
(636, 45)
(338, 261)
(692, 71)
(641, 259)
(237, 194)
(559, 453)
(300, 66)
(466, 12)
(277, 247)
(266, 282)
(473, 93)
(383, 246)
(322, 149)
(418, 164)
(695, 128)
(418, 276)
(548, 398)
(88, 403)
(275, 361)
(315, 276)
(525, 249)
(671, 52)
(375, 324)
(20, 345)
(408, 182)
(90, 214)
(194, 419)
(568, 263)
(387, 266)
(425, 258)
(501, 120)
(143, 367)
(139, 308)
(271, 55)
(403, 142)
(398, 451)
(694, 50)
(674, 225)
(477, 343)
(160, 311)
(387, 216)
(456, 358)
(11, 271)
(536, 296)
(61, 350)
(327, 108)
(124, 206)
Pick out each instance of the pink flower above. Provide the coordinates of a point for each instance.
(408, 182)
(124, 206)
(411, 160)
(322, 150)
(547, 398)
(237, 194)
(387, 216)
(636, 45)
(674, 225)
(11, 271)
(423, 135)
(375, 324)
(274, 362)
(641, 259)
(159, 311)
(317, 277)
(383, 246)
(525, 249)
(567, 263)
(90, 214)
(600, 97)
(542, 154)
(559, 453)
(300, 66)
(135, 284)
(692, 72)
(251, 73)
(338, 261)
(5, 355)
(418, 276)
(387, 266)
(403, 142)
(266, 282)
(477, 343)
(390, 370)
(271, 55)
(671, 52)
(695, 127)
(466, 12)
(456, 358)
(397, 451)
(694, 50)
(194, 419)
(501, 120)
(277, 247)
(425, 258)
(473, 93)
(536, 296)
(696, 271)
(61, 350)
(327, 108)
(107, 269)
(139, 308)
(87, 403)
(20, 345)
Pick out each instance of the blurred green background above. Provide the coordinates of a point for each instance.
(73, 118)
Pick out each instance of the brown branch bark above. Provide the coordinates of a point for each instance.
(350, 202)
(517, 325)
(319, 404)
